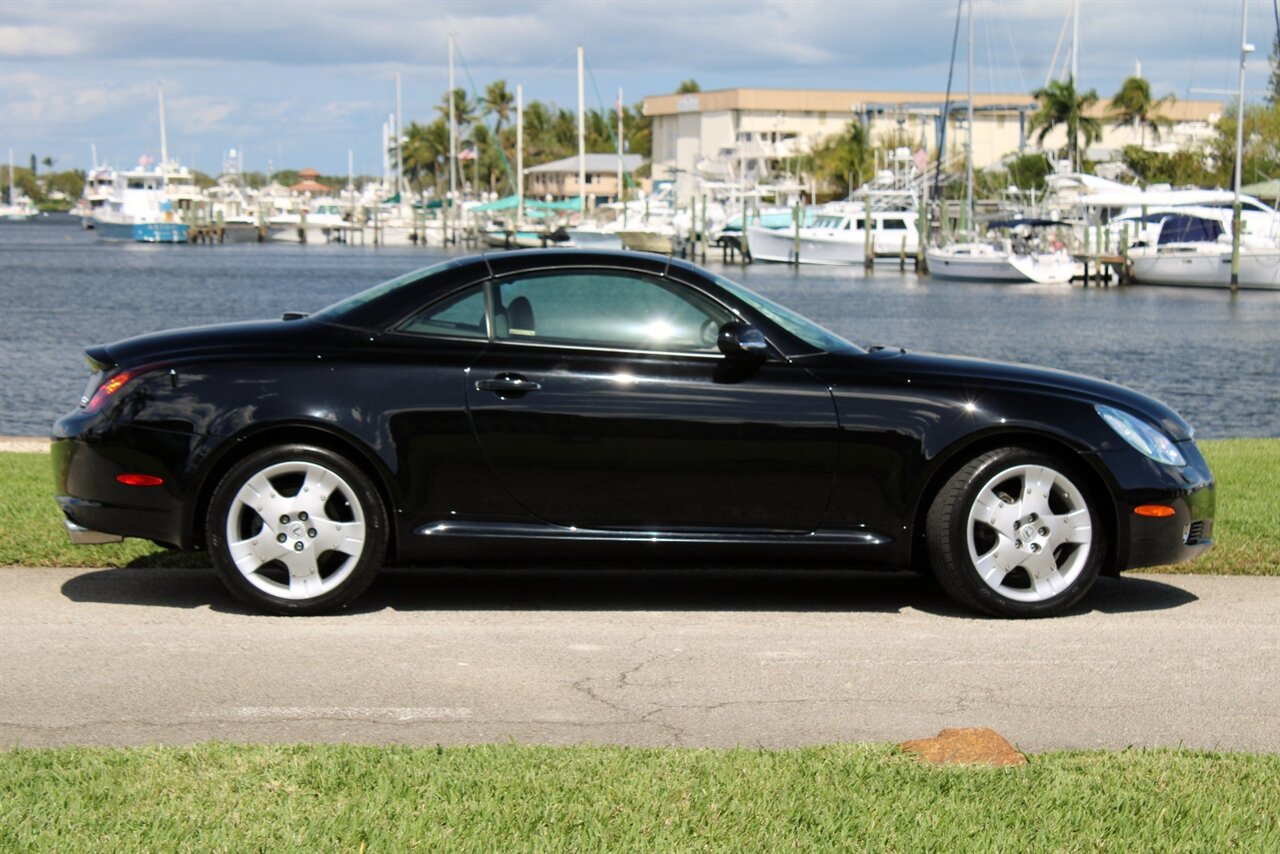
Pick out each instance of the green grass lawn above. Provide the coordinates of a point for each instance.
(1247, 527)
(517, 798)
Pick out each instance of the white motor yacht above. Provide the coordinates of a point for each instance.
(1196, 251)
(837, 235)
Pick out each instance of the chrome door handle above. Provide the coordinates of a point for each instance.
(507, 384)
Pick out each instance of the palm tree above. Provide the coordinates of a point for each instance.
(499, 101)
(639, 130)
(537, 132)
(464, 109)
(843, 160)
(1060, 105)
(1133, 105)
(425, 148)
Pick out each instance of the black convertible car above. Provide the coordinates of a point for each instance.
(616, 406)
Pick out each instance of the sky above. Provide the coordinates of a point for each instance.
(294, 84)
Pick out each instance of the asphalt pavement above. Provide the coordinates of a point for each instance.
(657, 657)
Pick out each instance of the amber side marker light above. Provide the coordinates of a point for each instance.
(1158, 511)
(140, 479)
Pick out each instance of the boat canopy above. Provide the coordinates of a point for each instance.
(507, 203)
(1180, 228)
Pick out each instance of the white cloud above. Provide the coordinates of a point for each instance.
(37, 42)
(316, 76)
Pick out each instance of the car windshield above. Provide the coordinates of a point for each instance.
(801, 327)
(339, 310)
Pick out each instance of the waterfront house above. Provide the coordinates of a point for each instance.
(559, 178)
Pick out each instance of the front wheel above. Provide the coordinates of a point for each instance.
(296, 530)
(1014, 533)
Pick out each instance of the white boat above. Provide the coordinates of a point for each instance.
(1195, 251)
(593, 236)
(999, 262)
(837, 236)
(98, 187)
(1025, 252)
(17, 206)
(654, 215)
(139, 209)
(313, 221)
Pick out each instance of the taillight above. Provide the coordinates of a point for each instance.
(108, 388)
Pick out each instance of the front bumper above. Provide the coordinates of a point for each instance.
(1188, 490)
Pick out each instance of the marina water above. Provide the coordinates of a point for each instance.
(1212, 356)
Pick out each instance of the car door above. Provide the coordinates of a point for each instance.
(603, 402)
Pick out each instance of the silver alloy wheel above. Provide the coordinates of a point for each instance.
(295, 530)
(1029, 533)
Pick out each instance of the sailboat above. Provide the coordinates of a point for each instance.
(18, 207)
(1195, 246)
(999, 260)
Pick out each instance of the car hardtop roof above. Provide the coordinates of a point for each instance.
(531, 260)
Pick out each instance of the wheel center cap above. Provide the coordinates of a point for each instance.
(1028, 533)
(296, 530)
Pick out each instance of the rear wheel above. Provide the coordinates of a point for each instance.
(1015, 534)
(296, 530)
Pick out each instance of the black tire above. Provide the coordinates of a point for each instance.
(296, 530)
(1016, 533)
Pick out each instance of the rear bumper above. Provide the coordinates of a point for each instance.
(82, 536)
(97, 508)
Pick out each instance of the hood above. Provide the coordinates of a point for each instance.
(979, 374)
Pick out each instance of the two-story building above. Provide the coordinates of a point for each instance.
(559, 178)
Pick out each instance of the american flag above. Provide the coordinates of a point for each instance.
(921, 159)
(467, 154)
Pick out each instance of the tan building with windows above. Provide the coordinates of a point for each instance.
(692, 129)
(559, 178)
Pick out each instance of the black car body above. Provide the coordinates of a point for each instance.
(650, 409)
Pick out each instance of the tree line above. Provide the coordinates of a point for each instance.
(841, 162)
(485, 127)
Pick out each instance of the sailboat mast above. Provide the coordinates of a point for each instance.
(1075, 70)
(1245, 50)
(1075, 40)
(582, 135)
(399, 141)
(968, 168)
(164, 142)
(386, 155)
(453, 131)
(621, 195)
(519, 152)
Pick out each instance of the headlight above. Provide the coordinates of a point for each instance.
(1146, 439)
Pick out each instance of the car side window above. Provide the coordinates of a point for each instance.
(459, 315)
(607, 309)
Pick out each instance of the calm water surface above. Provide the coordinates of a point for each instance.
(1213, 358)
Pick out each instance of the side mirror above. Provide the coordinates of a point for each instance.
(739, 340)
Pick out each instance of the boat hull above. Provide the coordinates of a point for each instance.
(1044, 269)
(836, 249)
(1259, 269)
(142, 232)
